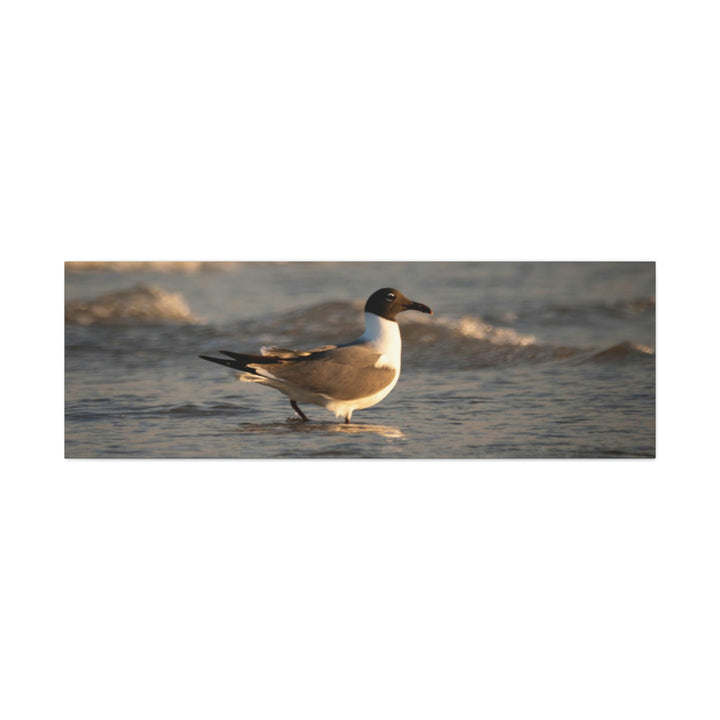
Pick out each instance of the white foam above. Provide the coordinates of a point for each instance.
(139, 304)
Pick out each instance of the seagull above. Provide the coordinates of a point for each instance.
(341, 378)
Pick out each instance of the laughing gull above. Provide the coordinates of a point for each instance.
(341, 378)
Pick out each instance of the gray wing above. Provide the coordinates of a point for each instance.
(286, 353)
(345, 373)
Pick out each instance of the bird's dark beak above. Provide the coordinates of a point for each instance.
(417, 306)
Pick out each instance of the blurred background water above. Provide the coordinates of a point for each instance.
(519, 360)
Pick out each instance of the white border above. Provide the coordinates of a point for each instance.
(458, 589)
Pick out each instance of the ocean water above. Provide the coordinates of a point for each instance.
(519, 359)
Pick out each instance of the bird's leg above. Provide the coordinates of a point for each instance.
(298, 410)
(347, 420)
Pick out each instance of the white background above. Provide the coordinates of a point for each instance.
(330, 130)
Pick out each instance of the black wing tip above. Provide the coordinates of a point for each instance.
(232, 364)
(220, 361)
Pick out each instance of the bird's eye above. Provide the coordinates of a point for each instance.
(390, 297)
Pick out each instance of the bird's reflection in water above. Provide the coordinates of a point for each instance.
(386, 431)
(295, 424)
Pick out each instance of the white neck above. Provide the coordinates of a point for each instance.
(384, 336)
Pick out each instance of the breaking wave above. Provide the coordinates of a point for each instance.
(140, 304)
(625, 350)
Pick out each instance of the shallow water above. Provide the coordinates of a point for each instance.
(521, 360)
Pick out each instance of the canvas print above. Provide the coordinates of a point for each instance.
(465, 360)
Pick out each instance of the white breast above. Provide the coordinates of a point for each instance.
(384, 336)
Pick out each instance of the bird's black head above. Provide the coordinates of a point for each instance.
(388, 302)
